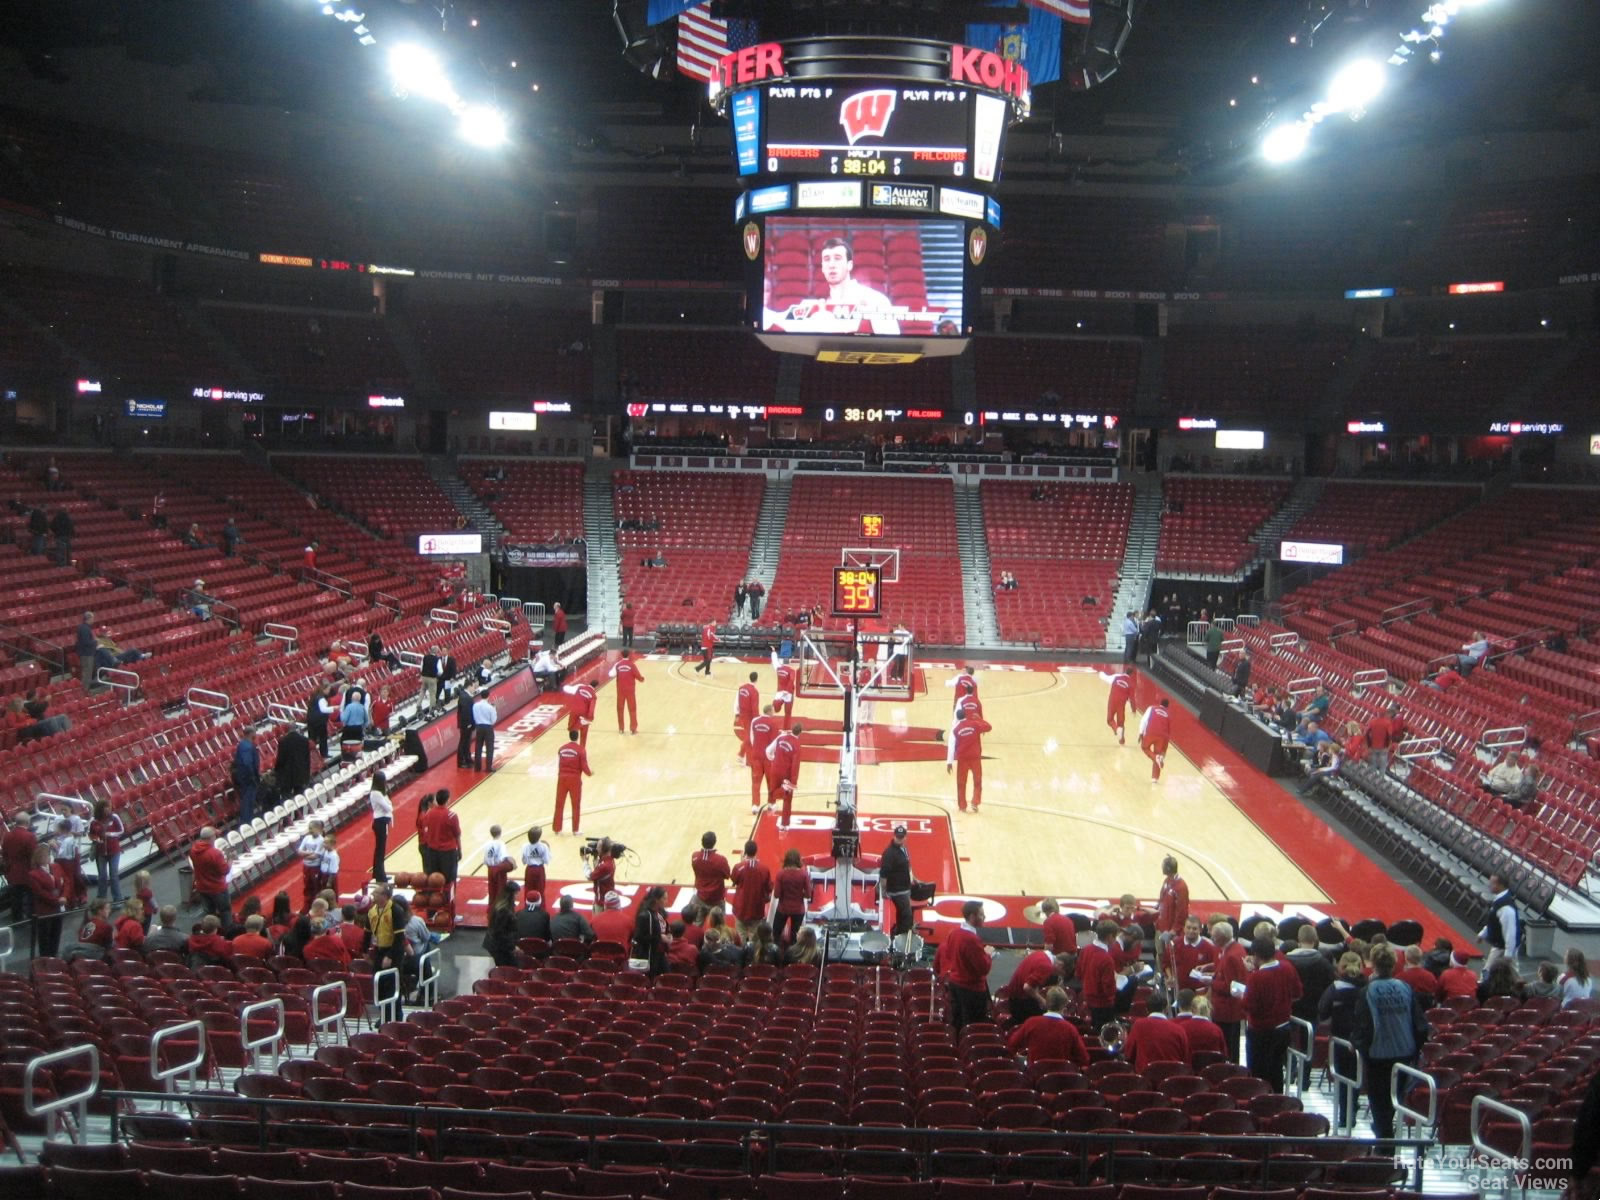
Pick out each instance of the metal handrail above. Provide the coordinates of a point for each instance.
(207, 699)
(167, 1076)
(1427, 1119)
(409, 658)
(428, 977)
(35, 647)
(253, 1046)
(1419, 747)
(1510, 735)
(390, 602)
(1586, 723)
(1280, 641)
(1303, 686)
(496, 624)
(387, 1008)
(1344, 628)
(126, 682)
(509, 603)
(287, 713)
(1369, 677)
(280, 632)
(78, 1100)
(1354, 1083)
(76, 801)
(356, 648)
(1399, 612)
(444, 616)
(1249, 620)
(1300, 1060)
(331, 1022)
(1482, 1104)
(333, 583)
(1231, 644)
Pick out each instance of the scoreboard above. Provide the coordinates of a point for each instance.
(873, 131)
(857, 592)
(869, 168)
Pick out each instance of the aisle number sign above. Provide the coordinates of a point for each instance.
(872, 525)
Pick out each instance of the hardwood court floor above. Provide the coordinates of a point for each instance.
(1066, 811)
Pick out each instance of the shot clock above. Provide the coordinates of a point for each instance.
(857, 591)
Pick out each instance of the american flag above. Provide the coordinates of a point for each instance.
(703, 39)
(1074, 11)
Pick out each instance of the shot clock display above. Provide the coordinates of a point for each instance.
(872, 525)
(857, 591)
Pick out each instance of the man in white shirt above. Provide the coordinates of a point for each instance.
(382, 818)
(484, 717)
(849, 303)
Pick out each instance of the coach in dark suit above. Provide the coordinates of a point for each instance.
(292, 765)
(464, 727)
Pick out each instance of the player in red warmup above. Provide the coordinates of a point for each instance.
(964, 755)
(762, 730)
(1155, 728)
(746, 707)
(628, 677)
(783, 771)
(966, 693)
(783, 696)
(1117, 701)
(572, 764)
(580, 708)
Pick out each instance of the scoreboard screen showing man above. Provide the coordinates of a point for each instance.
(857, 591)
(840, 275)
(870, 131)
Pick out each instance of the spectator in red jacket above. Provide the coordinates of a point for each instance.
(752, 883)
(1060, 934)
(253, 942)
(1269, 995)
(1155, 1037)
(711, 873)
(1200, 1033)
(1227, 1004)
(1423, 981)
(1050, 1037)
(683, 956)
(1101, 979)
(962, 962)
(210, 867)
(325, 945)
(208, 947)
(45, 892)
(130, 926)
(17, 847)
(1025, 994)
(1458, 979)
(794, 895)
(95, 934)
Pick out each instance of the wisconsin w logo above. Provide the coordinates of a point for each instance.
(866, 114)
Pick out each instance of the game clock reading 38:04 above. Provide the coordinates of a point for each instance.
(856, 591)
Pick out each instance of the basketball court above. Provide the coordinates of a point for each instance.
(1066, 810)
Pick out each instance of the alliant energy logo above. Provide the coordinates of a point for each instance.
(866, 114)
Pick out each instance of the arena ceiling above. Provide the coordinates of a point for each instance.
(1197, 80)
